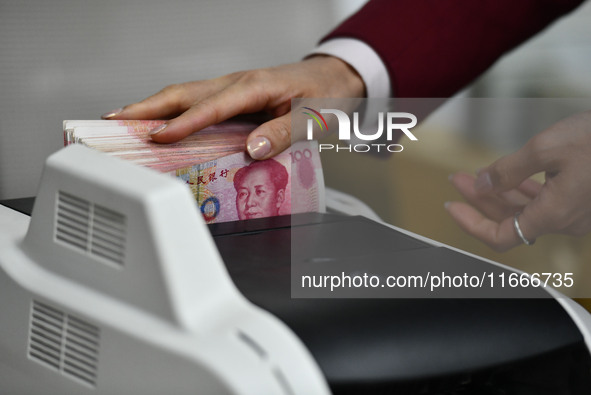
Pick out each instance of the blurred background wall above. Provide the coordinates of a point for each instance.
(72, 59)
(77, 59)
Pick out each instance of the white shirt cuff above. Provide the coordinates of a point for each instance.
(364, 60)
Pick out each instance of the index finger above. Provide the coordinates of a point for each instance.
(510, 171)
(231, 101)
(170, 101)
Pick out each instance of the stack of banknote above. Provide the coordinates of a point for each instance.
(226, 183)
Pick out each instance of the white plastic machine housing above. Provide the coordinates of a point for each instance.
(116, 287)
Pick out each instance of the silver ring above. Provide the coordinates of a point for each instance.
(519, 232)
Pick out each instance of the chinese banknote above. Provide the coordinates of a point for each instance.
(226, 183)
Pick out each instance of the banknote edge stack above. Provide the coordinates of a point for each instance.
(219, 142)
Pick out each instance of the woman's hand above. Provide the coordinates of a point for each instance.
(561, 205)
(199, 104)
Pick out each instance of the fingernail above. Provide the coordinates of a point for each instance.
(483, 182)
(111, 114)
(450, 177)
(258, 147)
(446, 205)
(158, 129)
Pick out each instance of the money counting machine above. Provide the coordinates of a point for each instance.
(114, 285)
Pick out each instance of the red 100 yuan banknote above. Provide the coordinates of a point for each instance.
(226, 183)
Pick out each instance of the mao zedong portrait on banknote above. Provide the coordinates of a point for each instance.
(260, 189)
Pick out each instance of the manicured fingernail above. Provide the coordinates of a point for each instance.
(483, 182)
(259, 147)
(111, 114)
(158, 129)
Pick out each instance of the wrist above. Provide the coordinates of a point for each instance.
(344, 80)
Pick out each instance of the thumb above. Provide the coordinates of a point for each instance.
(509, 171)
(270, 139)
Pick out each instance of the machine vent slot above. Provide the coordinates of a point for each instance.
(64, 343)
(252, 344)
(72, 221)
(108, 234)
(90, 228)
(282, 381)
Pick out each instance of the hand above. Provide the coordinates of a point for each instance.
(204, 103)
(561, 205)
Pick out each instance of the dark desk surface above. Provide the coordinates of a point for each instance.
(382, 340)
(373, 340)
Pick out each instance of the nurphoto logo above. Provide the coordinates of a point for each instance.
(392, 121)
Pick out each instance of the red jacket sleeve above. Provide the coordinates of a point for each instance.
(433, 48)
